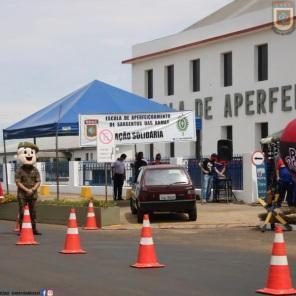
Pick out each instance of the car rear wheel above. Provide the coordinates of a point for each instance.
(133, 208)
(140, 216)
(192, 214)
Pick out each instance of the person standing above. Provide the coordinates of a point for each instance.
(138, 164)
(284, 182)
(118, 177)
(157, 159)
(1, 193)
(218, 177)
(207, 167)
(27, 179)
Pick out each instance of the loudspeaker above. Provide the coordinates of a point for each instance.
(224, 148)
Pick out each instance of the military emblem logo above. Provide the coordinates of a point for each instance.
(283, 16)
(91, 128)
(182, 124)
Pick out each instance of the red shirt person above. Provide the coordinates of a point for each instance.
(1, 192)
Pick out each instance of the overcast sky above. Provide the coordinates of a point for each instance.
(49, 48)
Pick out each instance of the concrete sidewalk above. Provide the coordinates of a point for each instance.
(210, 215)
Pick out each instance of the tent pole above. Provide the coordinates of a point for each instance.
(5, 164)
(57, 167)
(57, 154)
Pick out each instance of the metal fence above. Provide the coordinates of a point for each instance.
(50, 171)
(94, 173)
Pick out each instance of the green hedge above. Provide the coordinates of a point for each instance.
(80, 203)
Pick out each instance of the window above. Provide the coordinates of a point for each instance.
(195, 75)
(264, 130)
(198, 144)
(198, 107)
(226, 132)
(227, 69)
(149, 84)
(172, 149)
(170, 80)
(181, 106)
(151, 151)
(165, 177)
(172, 144)
(229, 132)
(86, 157)
(261, 131)
(262, 56)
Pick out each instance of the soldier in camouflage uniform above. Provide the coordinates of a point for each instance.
(27, 179)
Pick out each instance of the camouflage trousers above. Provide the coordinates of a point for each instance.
(32, 208)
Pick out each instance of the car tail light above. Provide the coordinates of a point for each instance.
(190, 194)
(143, 194)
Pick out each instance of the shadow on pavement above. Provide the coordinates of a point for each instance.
(158, 218)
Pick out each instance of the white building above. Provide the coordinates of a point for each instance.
(232, 68)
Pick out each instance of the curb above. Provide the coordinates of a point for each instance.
(190, 226)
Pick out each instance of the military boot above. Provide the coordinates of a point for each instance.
(35, 231)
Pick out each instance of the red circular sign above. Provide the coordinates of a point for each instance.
(105, 136)
(257, 158)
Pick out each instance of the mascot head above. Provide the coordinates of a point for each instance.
(288, 147)
(27, 153)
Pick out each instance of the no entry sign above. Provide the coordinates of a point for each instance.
(105, 145)
(106, 136)
(258, 162)
(257, 158)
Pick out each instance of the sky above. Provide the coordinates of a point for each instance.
(49, 48)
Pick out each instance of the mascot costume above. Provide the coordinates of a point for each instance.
(288, 153)
(27, 179)
(288, 147)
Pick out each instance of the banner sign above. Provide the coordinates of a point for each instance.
(136, 128)
(258, 161)
(261, 181)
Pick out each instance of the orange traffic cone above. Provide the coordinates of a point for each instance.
(91, 223)
(72, 242)
(146, 253)
(26, 234)
(279, 279)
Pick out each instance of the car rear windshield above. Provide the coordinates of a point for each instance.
(165, 177)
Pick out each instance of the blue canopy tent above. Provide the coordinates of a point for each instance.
(61, 117)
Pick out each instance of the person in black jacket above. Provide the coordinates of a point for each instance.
(138, 164)
(207, 168)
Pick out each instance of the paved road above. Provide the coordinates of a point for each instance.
(198, 262)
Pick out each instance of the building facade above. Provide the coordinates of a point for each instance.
(232, 68)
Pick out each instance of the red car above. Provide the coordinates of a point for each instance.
(163, 188)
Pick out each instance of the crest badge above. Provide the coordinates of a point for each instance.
(182, 124)
(91, 128)
(283, 16)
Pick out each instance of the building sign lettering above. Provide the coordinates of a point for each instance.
(253, 102)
